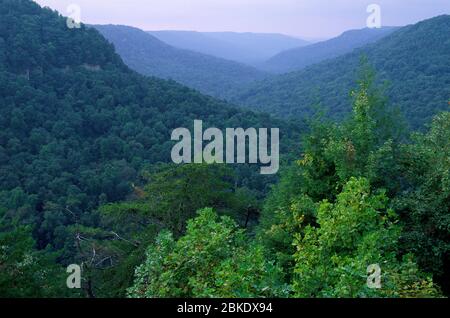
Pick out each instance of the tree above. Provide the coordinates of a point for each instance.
(77, 127)
(26, 272)
(175, 193)
(424, 208)
(365, 145)
(355, 232)
(213, 259)
(112, 250)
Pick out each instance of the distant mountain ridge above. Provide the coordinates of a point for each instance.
(248, 48)
(147, 55)
(414, 60)
(299, 58)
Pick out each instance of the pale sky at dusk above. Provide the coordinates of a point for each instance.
(304, 18)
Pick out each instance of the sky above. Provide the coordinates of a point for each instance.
(313, 19)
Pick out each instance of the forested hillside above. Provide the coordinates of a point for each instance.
(149, 56)
(359, 197)
(248, 48)
(86, 178)
(299, 58)
(413, 61)
(78, 128)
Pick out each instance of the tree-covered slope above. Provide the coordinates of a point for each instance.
(147, 55)
(414, 60)
(358, 200)
(248, 48)
(299, 58)
(77, 126)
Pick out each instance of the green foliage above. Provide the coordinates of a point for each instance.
(167, 202)
(365, 146)
(414, 61)
(283, 215)
(211, 260)
(77, 126)
(171, 197)
(174, 197)
(26, 272)
(108, 257)
(355, 232)
(425, 207)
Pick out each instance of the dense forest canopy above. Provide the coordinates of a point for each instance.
(86, 178)
(79, 127)
(412, 63)
(354, 199)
